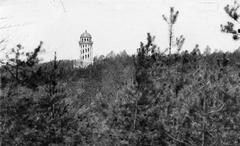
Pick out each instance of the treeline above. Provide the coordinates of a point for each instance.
(151, 98)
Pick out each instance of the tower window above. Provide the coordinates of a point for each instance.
(88, 55)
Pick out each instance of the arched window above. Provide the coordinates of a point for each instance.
(88, 55)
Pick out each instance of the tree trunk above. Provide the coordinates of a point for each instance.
(204, 123)
(170, 39)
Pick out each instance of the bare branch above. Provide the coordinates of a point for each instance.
(217, 110)
(177, 140)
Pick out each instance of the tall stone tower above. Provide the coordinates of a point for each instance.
(86, 50)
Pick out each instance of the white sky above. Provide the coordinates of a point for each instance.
(114, 24)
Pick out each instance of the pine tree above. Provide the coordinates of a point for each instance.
(22, 66)
(233, 12)
(171, 20)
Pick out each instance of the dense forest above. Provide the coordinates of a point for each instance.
(152, 98)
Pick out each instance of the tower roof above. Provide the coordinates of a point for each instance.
(85, 35)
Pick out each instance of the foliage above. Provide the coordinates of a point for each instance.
(233, 12)
(187, 98)
(150, 98)
(21, 66)
(171, 20)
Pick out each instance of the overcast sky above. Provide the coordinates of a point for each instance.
(114, 24)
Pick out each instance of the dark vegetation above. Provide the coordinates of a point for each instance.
(149, 99)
